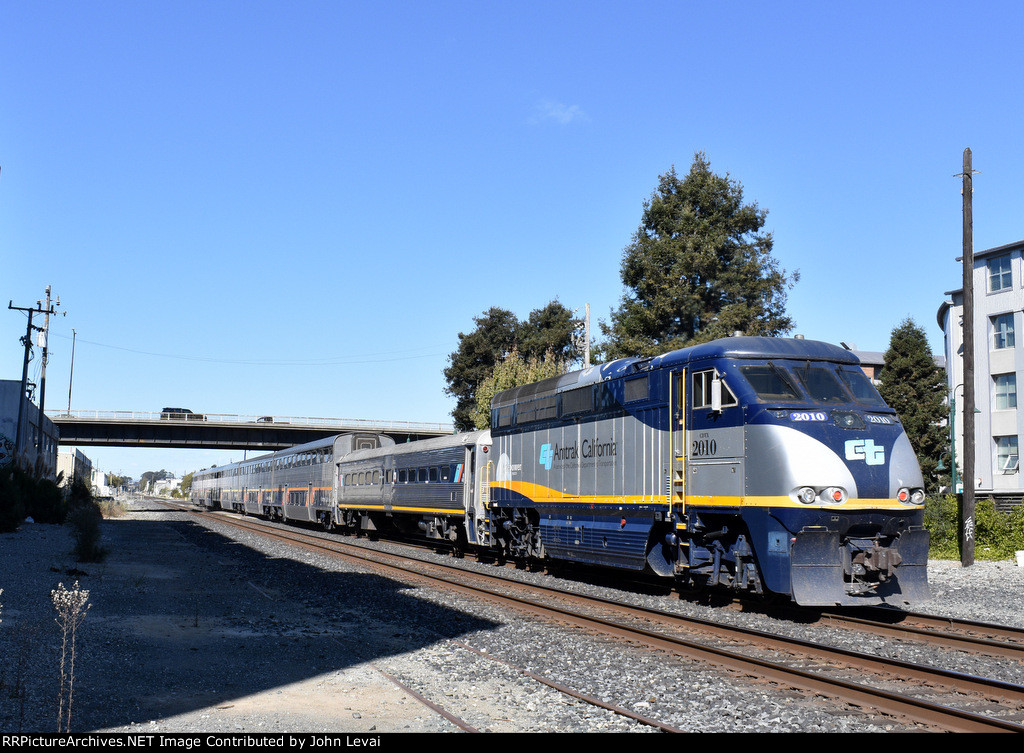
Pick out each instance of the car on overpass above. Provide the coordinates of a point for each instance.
(181, 414)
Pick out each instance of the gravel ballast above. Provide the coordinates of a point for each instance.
(197, 627)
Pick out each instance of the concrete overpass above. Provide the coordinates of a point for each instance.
(220, 431)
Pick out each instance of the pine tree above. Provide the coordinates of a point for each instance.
(699, 267)
(915, 387)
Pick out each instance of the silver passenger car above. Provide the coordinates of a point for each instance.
(294, 484)
(435, 488)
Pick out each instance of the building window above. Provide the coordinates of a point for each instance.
(1005, 391)
(999, 276)
(1007, 459)
(1002, 331)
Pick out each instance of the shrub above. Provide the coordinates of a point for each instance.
(84, 519)
(23, 495)
(85, 522)
(12, 506)
(110, 508)
(997, 534)
(46, 502)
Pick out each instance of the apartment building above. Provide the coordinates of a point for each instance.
(998, 285)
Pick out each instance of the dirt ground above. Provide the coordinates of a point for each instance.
(189, 632)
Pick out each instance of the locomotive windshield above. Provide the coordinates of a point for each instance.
(828, 384)
(770, 382)
(858, 383)
(821, 384)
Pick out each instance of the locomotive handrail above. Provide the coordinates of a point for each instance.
(485, 486)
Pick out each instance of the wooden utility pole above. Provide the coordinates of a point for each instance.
(21, 433)
(967, 498)
(45, 344)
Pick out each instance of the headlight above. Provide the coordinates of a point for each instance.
(910, 496)
(847, 419)
(830, 495)
(807, 495)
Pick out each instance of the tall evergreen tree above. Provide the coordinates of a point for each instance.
(698, 267)
(498, 332)
(915, 387)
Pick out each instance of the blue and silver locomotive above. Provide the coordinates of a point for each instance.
(763, 465)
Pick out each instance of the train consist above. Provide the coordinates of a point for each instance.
(760, 465)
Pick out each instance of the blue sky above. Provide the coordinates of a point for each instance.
(294, 208)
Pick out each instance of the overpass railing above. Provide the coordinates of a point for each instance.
(115, 416)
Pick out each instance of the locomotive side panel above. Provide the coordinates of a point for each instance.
(585, 481)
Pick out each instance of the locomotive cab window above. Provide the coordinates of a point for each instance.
(821, 384)
(702, 390)
(770, 382)
(858, 383)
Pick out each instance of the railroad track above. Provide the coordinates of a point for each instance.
(954, 634)
(914, 694)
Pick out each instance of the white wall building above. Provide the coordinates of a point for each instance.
(74, 464)
(167, 486)
(101, 484)
(998, 285)
(38, 448)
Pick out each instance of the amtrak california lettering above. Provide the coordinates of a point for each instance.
(587, 450)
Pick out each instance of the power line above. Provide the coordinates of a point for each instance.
(382, 357)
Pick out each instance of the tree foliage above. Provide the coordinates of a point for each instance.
(915, 387)
(117, 481)
(498, 333)
(151, 477)
(698, 267)
(512, 371)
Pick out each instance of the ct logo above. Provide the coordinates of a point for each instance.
(546, 456)
(866, 450)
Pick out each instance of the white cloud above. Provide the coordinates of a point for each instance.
(558, 112)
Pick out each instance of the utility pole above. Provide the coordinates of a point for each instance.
(27, 340)
(20, 434)
(967, 498)
(46, 357)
